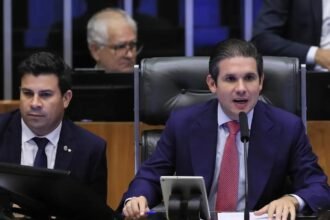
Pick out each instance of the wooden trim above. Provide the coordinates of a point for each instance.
(8, 105)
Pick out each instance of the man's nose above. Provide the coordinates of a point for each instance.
(36, 101)
(129, 52)
(241, 86)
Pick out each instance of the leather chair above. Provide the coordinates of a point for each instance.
(167, 83)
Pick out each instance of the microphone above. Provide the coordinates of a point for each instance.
(244, 127)
(245, 137)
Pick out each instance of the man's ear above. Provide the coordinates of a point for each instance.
(211, 83)
(261, 84)
(67, 98)
(94, 51)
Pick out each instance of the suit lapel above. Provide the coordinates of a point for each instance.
(65, 147)
(13, 139)
(204, 142)
(263, 146)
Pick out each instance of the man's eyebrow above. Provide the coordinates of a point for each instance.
(251, 73)
(26, 89)
(43, 90)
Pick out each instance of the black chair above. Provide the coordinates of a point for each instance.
(166, 83)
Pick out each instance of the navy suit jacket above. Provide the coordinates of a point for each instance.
(278, 148)
(288, 27)
(86, 161)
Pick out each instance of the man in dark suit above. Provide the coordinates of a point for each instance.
(294, 28)
(193, 144)
(45, 93)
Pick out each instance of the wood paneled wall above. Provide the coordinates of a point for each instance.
(319, 135)
(8, 105)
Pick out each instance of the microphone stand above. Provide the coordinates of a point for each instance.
(246, 209)
(245, 136)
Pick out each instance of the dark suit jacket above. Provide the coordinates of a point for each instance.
(278, 148)
(86, 161)
(288, 27)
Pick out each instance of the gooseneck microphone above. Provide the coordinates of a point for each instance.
(244, 127)
(245, 137)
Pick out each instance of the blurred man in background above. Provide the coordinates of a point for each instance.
(296, 29)
(112, 40)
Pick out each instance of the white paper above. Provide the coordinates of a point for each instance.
(239, 216)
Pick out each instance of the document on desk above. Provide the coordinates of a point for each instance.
(239, 216)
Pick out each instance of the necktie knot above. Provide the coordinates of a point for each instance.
(41, 157)
(233, 127)
(41, 142)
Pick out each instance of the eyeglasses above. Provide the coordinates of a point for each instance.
(123, 48)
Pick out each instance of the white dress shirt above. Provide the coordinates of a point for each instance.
(30, 148)
(325, 36)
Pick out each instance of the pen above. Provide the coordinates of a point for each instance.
(151, 212)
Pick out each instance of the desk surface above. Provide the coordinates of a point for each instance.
(214, 216)
(160, 214)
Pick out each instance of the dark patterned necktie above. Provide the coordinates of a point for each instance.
(41, 157)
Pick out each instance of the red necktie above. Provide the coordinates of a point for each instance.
(227, 193)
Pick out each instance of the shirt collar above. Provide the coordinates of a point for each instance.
(223, 118)
(53, 136)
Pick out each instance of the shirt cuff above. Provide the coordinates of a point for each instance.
(310, 57)
(127, 200)
(301, 202)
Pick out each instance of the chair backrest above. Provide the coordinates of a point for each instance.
(167, 83)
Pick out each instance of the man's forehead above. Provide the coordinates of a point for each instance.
(41, 76)
(122, 31)
(238, 58)
(40, 82)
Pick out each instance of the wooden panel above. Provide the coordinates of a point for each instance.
(319, 134)
(8, 105)
(120, 155)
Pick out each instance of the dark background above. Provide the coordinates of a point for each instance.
(37, 25)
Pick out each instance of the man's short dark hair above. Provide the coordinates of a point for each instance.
(233, 48)
(42, 63)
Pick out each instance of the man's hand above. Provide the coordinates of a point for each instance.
(136, 207)
(322, 57)
(281, 208)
